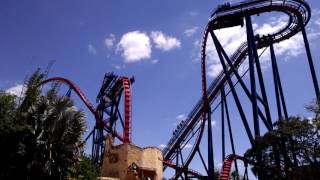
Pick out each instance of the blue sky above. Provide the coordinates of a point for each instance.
(157, 42)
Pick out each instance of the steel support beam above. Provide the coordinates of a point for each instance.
(277, 84)
(233, 91)
(177, 160)
(101, 144)
(310, 61)
(223, 94)
(222, 125)
(93, 155)
(251, 43)
(260, 75)
(283, 102)
(239, 78)
(202, 160)
(253, 58)
(210, 145)
(280, 96)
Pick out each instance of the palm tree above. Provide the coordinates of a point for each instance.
(58, 128)
(51, 130)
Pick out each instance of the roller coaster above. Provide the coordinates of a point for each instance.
(191, 130)
(107, 112)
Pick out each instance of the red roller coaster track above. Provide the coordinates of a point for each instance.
(127, 110)
(227, 164)
(126, 137)
(299, 15)
(298, 12)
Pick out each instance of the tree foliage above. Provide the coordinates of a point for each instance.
(40, 136)
(291, 150)
(84, 169)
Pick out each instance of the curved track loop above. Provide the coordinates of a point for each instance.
(297, 10)
(126, 84)
(75, 88)
(227, 164)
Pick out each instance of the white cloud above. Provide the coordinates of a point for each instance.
(230, 39)
(274, 25)
(316, 11)
(191, 31)
(17, 90)
(214, 69)
(291, 47)
(164, 42)
(134, 46)
(213, 123)
(197, 43)
(161, 146)
(193, 13)
(154, 61)
(91, 49)
(179, 118)
(317, 22)
(117, 66)
(188, 146)
(109, 41)
(196, 51)
(219, 164)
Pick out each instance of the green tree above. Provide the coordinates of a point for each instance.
(40, 137)
(13, 135)
(84, 169)
(235, 175)
(295, 136)
(216, 174)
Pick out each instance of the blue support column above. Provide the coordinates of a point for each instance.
(235, 72)
(177, 160)
(310, 61)
(210, 145)
(233, 91)
(222, 125)
(250, 39)
(223, 94)
(275, 79)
